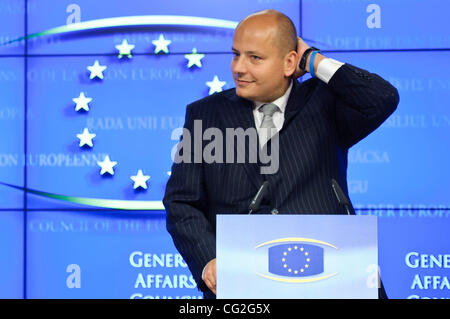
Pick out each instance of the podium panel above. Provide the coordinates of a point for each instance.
(297, 257)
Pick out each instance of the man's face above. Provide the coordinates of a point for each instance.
(257, 65)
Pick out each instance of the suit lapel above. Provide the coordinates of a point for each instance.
(297, 100)
(238, 113)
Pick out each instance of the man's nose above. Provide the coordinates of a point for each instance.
(238, 65)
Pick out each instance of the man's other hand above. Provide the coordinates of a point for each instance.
(209, 275)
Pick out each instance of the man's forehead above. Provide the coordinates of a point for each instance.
(255, 34)
(254, 40)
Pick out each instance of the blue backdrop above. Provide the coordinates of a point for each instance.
(68, 231)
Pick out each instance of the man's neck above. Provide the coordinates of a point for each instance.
(281, 100)
(280, 93)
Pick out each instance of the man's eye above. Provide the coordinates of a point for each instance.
(235, 54)
(255, 57)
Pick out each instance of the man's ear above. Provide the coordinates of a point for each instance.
(291, 61)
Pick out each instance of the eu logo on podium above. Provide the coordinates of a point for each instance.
(295, 260)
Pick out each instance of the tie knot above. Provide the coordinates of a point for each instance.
(268, 109)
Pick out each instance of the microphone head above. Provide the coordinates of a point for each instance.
(340, 195)
(254, 205)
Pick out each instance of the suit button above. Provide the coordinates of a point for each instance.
(274, 211)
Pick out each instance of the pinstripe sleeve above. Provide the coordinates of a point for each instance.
(363, 102)
(185, 202)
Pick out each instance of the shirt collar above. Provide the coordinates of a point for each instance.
(281, 102)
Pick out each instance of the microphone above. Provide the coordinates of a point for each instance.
(340, 195)
(254, 205)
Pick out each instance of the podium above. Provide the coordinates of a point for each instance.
(297, 257)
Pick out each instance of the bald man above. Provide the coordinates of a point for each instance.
(313, 124)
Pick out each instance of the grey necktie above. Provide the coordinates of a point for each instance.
(267, 128)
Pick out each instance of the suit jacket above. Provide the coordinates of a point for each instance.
(322, 121)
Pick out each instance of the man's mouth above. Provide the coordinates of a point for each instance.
(243, 82)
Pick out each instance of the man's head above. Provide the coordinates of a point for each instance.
(265, 57)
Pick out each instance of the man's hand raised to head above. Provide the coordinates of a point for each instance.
(301, 48)
(209, 275)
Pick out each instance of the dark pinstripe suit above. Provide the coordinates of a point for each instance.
(322, 121)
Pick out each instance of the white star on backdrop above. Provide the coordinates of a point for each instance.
(82, 102)
(161, 44)
(107, 166)
(194, 58)
(96, 70)
(215, 85)
(140, 180)
(124, 49)
(86, 138)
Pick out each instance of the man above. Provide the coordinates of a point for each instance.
(316, 122)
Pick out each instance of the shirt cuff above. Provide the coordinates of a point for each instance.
(326, 69)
